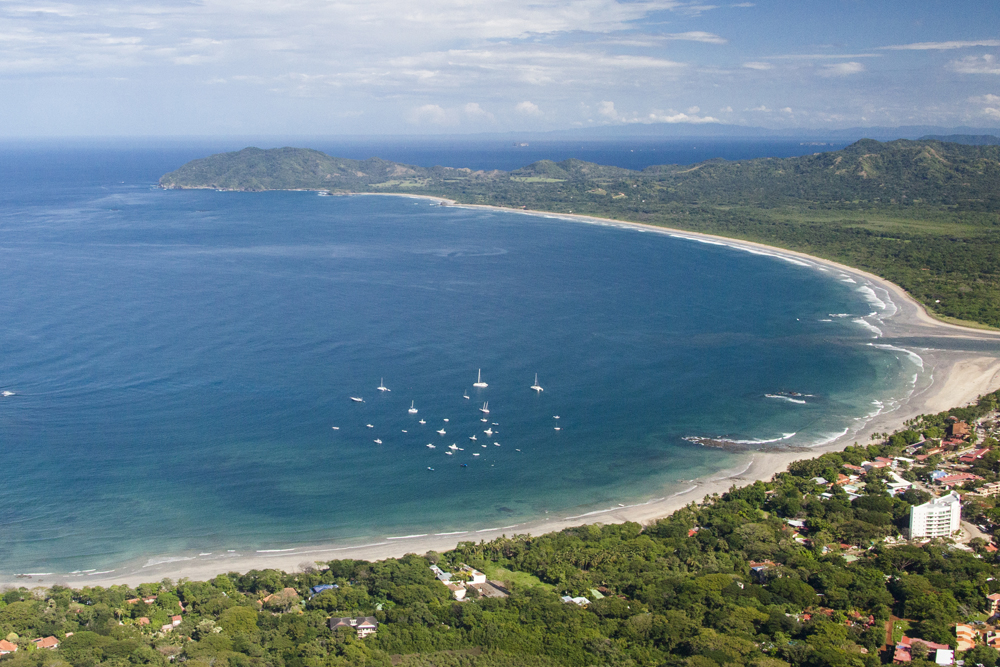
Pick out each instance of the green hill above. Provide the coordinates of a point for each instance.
(923, 214)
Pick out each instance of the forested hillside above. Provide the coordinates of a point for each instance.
(797, 572)
(923, 214)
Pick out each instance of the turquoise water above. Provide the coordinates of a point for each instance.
(178, 361)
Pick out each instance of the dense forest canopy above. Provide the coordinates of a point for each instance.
(923, 214)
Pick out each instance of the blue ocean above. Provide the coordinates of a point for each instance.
(179, 366)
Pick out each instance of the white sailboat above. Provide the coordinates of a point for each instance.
(536, 386)
(486, 408)
(488, 432)
(441, 431)
(378, 442)
(356, 399)
(479, 382)
(412, 409)
(381, 385)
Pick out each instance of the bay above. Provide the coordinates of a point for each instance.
(179, 360)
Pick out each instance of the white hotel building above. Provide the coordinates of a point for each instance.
(941, 517)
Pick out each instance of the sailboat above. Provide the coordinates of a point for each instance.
(381, 385)
(412, 409)
(465, 395)
(479, 382)
(441, 431)
(357, 399)
(536, 386)
(486, 408)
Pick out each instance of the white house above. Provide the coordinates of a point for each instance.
(940, 517)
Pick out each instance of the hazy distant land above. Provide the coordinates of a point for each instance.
(922, 214)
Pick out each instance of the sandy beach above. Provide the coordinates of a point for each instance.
(954, 376)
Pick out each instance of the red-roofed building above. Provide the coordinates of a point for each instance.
(857, 469)
(973, 456)
(960, 430)
(46, 642)
(7, 647)
(143, 620)
(956, 479)
(175, 620)
(903, 652)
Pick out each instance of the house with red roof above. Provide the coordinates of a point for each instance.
(46, 642)
(6, 647)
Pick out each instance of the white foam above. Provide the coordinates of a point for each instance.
(169, 559)
(613, 509)
(273, 551)
(910, 354)
(785, 398)
(90, 574)
(457, 532)
(406, 537)
(869, 295)
(868, 325)
(830, 438)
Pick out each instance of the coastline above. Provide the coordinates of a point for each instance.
(956, 378)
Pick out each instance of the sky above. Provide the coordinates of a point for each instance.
(373, 67)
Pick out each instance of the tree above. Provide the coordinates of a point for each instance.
(239, 621)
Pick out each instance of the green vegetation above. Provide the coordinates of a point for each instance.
(732, 582)
(923, 214)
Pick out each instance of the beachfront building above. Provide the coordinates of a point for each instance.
(366, 625)
(941, 517)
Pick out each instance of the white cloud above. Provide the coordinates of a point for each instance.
(940, 46)
(726, 110)
(474, 111)
(986, 64)
(676, 118)
(824, 56)
(992, 112)
(842, 69)
(431, 114)
(758, 65)
(698, 36)
(608, 110)
(528, 108)
(762, 108)
(787, 110)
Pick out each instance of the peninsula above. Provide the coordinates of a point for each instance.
(921, 214)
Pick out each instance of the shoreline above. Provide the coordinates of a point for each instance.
(952, 378)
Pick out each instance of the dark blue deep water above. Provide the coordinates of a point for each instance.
(178, 361)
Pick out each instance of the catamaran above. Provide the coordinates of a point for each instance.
(479, 382)
(381, 385)
(536, 386)
(412, 409)
(486, 408)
